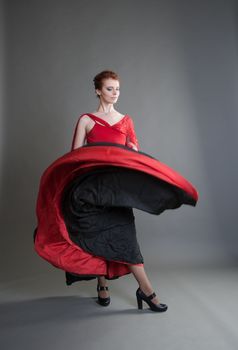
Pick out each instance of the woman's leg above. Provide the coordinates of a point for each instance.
(143, 281)
(103, 282)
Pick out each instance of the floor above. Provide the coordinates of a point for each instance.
(44, 313)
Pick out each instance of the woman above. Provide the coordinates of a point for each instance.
(102, 180)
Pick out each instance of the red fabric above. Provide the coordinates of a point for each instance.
(52, 240)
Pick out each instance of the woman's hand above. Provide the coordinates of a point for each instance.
(132, 145)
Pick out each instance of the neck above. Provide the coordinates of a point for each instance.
(105, 108)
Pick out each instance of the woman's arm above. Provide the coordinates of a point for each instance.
(80, 132)
(132, 140)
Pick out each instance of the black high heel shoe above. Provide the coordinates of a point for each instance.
(140, 295)
(103, 301)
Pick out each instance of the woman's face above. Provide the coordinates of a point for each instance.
(110, 90)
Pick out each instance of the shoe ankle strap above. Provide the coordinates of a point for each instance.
(102, 288)
(151, 296)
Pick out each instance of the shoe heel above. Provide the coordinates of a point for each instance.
(141, 296)
(139, 302)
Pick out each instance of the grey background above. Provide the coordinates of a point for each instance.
(178, 66)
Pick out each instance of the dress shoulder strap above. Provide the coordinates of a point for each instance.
(98, 119)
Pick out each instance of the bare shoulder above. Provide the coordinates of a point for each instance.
(84, 119)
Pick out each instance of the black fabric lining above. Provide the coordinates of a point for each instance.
(98, 220)
(73, 277)
(97, 209)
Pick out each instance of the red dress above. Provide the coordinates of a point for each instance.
(84, 206)
(122, 132)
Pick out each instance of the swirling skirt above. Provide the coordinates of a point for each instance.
(86, 224)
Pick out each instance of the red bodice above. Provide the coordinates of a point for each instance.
(122, 132)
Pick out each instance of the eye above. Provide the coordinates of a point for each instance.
(109, 88)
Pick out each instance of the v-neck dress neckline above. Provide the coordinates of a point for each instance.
(95, 116)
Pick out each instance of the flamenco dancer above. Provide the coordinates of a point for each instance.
(84, 207)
